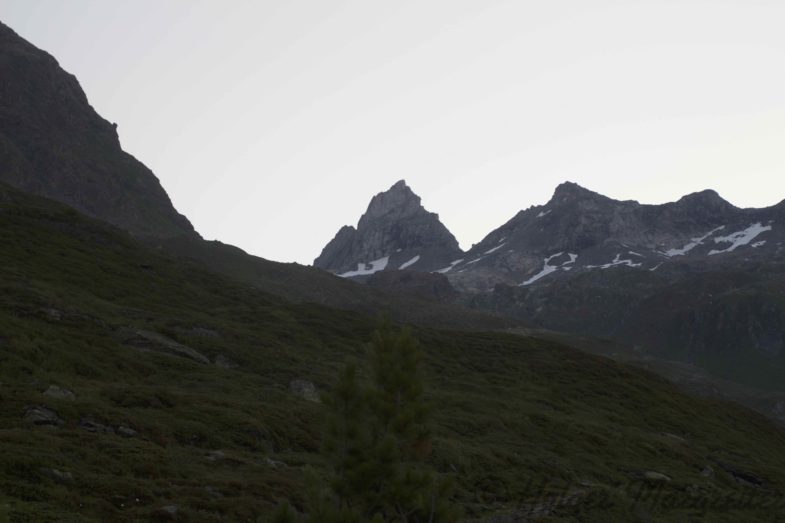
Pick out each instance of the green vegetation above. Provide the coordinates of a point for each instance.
(376, 444)
(525, 426)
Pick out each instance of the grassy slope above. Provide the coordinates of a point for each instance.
(511, 412)
(299, 283)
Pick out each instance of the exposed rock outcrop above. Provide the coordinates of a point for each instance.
(396, 232)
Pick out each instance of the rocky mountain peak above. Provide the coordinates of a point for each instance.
(396, 231)
(571, 192)
(396, 202)
(708, 198)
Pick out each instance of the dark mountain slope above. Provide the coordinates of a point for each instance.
(54, 144)
(171, 388)
(303, 284)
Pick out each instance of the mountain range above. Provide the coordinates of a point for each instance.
(697, 280)
(149, 375)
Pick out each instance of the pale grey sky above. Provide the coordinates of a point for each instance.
(272, 123)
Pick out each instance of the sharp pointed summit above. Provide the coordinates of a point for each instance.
(572, 189)
(396, 232)
(399, 201)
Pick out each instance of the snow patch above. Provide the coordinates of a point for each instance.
(572, 256)
(452, 264)
(475, 261)
(364, 269)
(741, 238)
(616, 262)
(656, 267)
(759, 244)
(495, 248)
(546, 270)
(410, 262)
(694, 243)
(543, 213)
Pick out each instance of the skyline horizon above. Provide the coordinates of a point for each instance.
(251, 129)
(466, 248)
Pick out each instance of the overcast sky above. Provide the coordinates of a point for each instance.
(272, 123)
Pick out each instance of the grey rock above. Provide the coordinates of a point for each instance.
(150, 341)
(274, 463)
(305, 389)
(742, 476)
(42, 415)
(92, 425)
(126, 431)
(53, 314)
(225, 363)
(674, 437)
(216, 455)
(397, 227)
(59, 393)
(707, 472)
(57, 476)
(213, 492)
(655, 476)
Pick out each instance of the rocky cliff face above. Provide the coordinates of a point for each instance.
(52, 143)
(579, 230)
(396, 232)
(697, 280)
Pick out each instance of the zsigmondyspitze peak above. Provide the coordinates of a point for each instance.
(396, 232)
(398, 201)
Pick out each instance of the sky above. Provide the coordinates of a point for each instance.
(272, 123)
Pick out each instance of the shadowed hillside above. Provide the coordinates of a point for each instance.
(134, 384)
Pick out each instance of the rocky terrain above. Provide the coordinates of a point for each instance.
(174, 379)
(396, 232)
(139, 387)
(698, 280)
(52, 143)
(579, 230)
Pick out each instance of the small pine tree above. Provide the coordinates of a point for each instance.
(377, 441)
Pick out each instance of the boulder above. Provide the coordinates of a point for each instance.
(126, 431)
(305, 389)
(42, 415)
(224, 362)
(91, 425)
(149, 341)
(59, 393)
(57, 476)
(655, 476)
